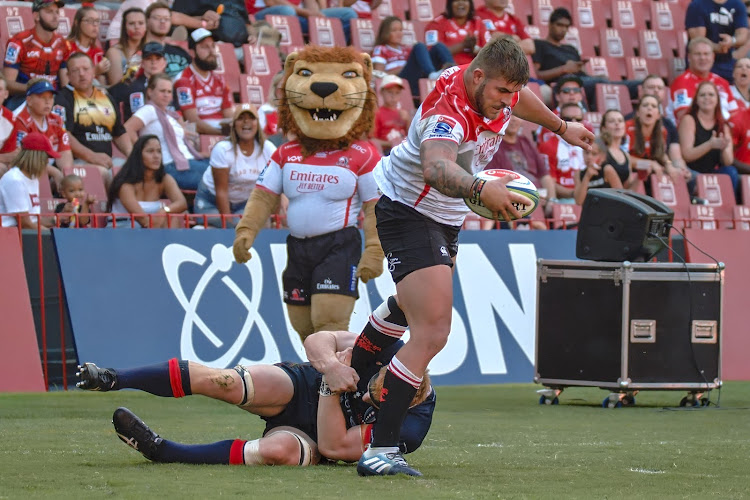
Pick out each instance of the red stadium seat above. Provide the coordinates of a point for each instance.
(626, 15)
(106, 16)
(676, 67)
(589, 42)
(669, 42)
(92, 179)
(391, 8)
(291, 32)
(717, 190)
(536, 32)
(261, 61)
(253, 89)
(618, 43)
(209, 141)
(573, 38)
(742, 218)
(17, 17)
(523, 10)
(661, 16)
(598, 66)
(674, 195)
(228, 66)
(67, 14)
(364, 33)
(650, 45)
(425, 10)
(613, 96)
(327, 32)
(413, 32)
(745, 189)
(425, 87)
(595, 119)
(541, 10)
(703, 217)
(589, 14)
(636, 68)
(565, 215)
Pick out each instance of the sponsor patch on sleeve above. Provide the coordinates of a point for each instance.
(681, 98)
(184, 96)
(12, 52)
(431, 37)
(441, 128)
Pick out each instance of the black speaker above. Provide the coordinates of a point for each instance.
(618, 225)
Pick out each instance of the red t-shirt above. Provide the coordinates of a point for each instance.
(94, 51)
(684, 86)
(55, 131)
(448, 32)
(33, 58)
(564, 160)
(386, 120)
(209, 96)
(740, 125)
(507, 23)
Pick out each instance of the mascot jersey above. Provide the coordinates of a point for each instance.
(445, 115)
(325, 190)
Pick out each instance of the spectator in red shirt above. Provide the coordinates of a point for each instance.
(203, 95)
(498, 20)
(391, 121)
(38, 52)
(565, 160)
(37, 116)
(740, 125)
(459, 29)
(84, 37)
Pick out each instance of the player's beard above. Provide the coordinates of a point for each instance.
(479, 98)
(45, 26)
(206, 65)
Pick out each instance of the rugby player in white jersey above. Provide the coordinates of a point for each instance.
(454, 134)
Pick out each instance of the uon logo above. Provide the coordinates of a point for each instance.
(195, 331)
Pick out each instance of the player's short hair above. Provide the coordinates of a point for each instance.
(376, 385)
(503, 57)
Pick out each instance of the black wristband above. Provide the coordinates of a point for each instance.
(476, 190)
(562, 122)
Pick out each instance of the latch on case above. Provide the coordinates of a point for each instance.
(642, 331)
(703, 331)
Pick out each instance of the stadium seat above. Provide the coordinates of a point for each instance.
(106, 16)
(364, 34)
(209, 141)
(589, 42)
(661, 16)
(717, 190)
(425, 87)
(18, 17)
(742, 218)
(67, 14)
(425, 10)
(618, 43)
(636, 68)
(674, 195)
(613, 96)
(650, 45)
(540, 11)
(228, 66)
(703, 217)
(676, 67)
(535, 88)
(391, 8)
(523, 10)
(745, 189)
(536, 32)
(595, 119)
(261, 61)
(669, 42)
(598, 66)
(627, 15)
(92, 179)
(413, 32)
(327, 32)
(45, 190)
(291, 32)
(532, 68)
(253, 89)
(573, 38)
(589, 14)
(565, 215)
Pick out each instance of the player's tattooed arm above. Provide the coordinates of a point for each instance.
(441, 171)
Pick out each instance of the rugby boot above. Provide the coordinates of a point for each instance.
(93, 378)
(135, 433)
(385, 464)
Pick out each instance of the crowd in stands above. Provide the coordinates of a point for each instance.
(158, 108)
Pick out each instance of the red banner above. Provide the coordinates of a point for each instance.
(20, 368)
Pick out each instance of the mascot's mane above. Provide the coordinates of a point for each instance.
(365, 98)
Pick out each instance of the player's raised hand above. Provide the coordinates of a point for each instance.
(497, 198)
(577, 135)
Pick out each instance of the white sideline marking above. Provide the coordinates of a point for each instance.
(646, 471)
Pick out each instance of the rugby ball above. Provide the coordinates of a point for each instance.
(520, 185)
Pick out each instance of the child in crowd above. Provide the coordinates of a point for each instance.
(597, 172)
(78, 202)
(391, 121)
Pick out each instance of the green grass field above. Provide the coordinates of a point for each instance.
(486, 442)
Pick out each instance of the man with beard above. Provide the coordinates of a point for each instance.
(203, 96)
(38, 52)
(91, 117)
(158, 26)
(132, 95)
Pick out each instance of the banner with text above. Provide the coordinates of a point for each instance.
(141, 297)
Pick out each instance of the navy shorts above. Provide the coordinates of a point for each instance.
(302, 411)
(322, 264)
(412, 241)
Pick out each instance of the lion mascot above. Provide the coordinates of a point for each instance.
(326, 173)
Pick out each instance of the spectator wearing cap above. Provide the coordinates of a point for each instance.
(158, 26)
(132, 95)
(37, 116)
(203, 95)
(91, 117)
(236, 163)
(391, 120)
(724, 23)
(38, 52)
(498, 20)
(19, 187)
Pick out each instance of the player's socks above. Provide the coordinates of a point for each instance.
(399, 387)
(385, 327)
(170, 379)
(222, 452)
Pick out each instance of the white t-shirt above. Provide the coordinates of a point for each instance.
(18, 194)
(151, 125)
(243, 170)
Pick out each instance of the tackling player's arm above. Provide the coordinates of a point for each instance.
(321, 349)
(530, 108)
(441, 171)
(335, 441)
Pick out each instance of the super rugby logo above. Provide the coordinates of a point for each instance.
(443, 128)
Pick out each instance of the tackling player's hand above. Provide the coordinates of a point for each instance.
(577, 135)
(496, 197)
(241, 248)
(340, 376)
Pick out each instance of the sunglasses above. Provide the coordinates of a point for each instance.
(570, 90)
(573, 119)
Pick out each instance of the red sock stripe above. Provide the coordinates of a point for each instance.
(175, 378)
(403, 376)
(237, 452)
(385, 330)
(366, 436)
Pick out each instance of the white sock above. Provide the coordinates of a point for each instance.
(372, 451)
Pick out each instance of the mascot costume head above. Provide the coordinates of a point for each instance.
(327, 106)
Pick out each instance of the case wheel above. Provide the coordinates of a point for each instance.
(544, 400)
(619, 399)
(549, 396)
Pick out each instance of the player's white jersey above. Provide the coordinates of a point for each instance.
(445, 115)
(325, 190)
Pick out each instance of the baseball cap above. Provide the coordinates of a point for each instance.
(36, 141)
(244, 108)
(40, 4)
(200, 34)
(391, 81)
(41, 87)
(153, 48)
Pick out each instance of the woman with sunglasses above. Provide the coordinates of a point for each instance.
(84, 37)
